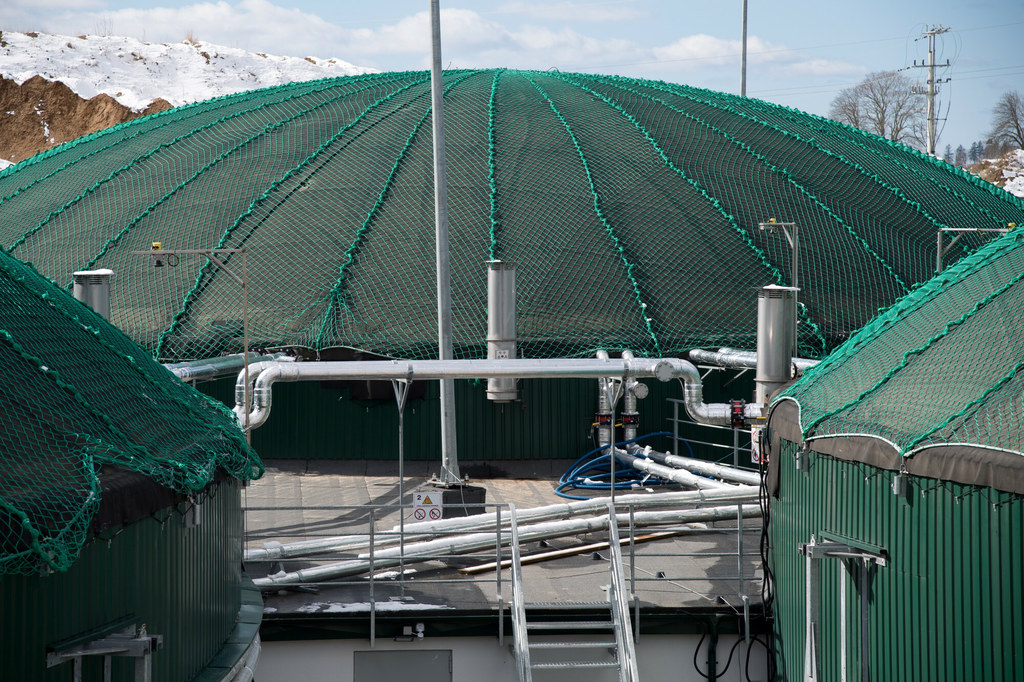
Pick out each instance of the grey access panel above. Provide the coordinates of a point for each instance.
(402, 666)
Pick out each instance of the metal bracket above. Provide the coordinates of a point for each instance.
(131, 642)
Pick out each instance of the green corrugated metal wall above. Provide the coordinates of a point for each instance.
(550, 421)
(949, 605)
(183, 583)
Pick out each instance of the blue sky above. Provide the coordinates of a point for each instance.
(800, 54)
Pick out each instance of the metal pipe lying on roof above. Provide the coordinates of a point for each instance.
(265, 374)
(739, 359)
(670, 473)
(725, 472)
(561, 511)
(465, 544)
(211, 368)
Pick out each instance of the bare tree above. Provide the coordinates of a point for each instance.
(883, 104)
(1008, 120)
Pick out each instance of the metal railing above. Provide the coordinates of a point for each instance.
(522, 650)
(624, 642)
(360, 551)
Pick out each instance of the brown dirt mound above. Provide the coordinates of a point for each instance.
(991, 170)
(40, 114)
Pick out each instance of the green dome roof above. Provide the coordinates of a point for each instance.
(631, 209)
(79, 396)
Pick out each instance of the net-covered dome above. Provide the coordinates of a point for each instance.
(932, 386)
(631, 209)
(80, 398)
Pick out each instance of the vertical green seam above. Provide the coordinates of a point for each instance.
(600, 214)
(786, 174)
(335, 298)
(491, 181)
(908, 355)
(95, 186)
(804, 313)
(179, 316)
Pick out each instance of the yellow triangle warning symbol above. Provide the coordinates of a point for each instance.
(426, 500)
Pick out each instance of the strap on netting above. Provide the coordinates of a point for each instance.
(620, 247)
(205, 275)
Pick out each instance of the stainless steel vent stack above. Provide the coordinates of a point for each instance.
(92, 287)
(501, 325)
(776, 315)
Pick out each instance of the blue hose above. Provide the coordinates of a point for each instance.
(594, 473)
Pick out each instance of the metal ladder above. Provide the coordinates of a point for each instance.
(609, 646)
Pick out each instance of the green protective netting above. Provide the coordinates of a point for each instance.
(80, 396)
(630, 208)
(943, 366)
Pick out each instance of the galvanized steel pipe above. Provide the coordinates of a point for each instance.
(566, 510)
(265, 374)
(739, 359)
(453, 546)
(700, 466)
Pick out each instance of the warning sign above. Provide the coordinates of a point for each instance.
(426, 506)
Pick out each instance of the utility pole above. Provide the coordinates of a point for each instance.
(932, 88)
(743, 56)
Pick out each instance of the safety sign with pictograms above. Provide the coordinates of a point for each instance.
(426, 506)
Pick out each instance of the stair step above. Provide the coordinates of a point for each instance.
(574, 645)
(572, 625)
(567, 605)
(574, 664)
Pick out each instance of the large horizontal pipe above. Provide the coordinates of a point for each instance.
(739, 359)
(452, 546)
(265, 374)
(212, 368)
(700, 466)
(567, 510)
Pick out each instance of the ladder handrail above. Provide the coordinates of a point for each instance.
(619, 604)
(519, 635)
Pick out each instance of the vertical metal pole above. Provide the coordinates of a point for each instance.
(743, 58)
(931, 94)
(796, 286)
(864, 566)
(449, 450)
(373, 604)
(938, 251)
(401, 389)
(497, 571)
(245, 341)
(842, 620)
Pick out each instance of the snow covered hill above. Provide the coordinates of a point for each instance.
(131, 72)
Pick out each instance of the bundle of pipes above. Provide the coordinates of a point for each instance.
(685, 470)
(473, 542)
(426, 530)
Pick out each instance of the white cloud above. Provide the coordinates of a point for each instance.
(574, 11)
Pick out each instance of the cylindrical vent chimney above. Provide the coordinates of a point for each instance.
(92, 287)
(501, 325)
(776, 315)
